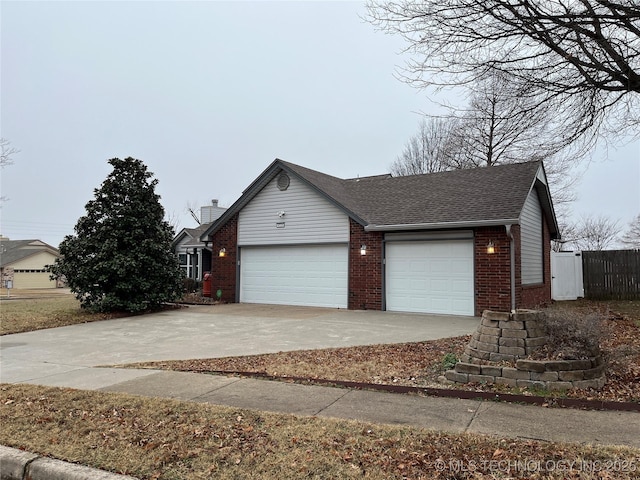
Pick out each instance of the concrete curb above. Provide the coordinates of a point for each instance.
(20, 465)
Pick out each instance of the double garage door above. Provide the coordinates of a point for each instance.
(422, 276)
(313, 275)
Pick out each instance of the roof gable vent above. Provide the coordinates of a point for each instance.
(283, 181)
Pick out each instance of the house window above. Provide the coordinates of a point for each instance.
(189, 263)
(182, 258)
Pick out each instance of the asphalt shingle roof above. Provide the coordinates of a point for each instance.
(474, 195)
(13, 250)
(490, 195)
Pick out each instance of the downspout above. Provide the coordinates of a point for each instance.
(512, 265)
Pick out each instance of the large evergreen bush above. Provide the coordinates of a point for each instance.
(120, 257)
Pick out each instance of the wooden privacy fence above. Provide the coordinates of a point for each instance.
(611, 274)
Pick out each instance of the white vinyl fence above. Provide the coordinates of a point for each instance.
(566, 276)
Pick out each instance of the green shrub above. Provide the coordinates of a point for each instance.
(449, 361)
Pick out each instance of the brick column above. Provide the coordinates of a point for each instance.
(365, 271)
(492, 271)
(223, 269)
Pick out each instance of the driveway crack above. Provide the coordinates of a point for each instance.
(476, 412)
(332, 403)
(221, 387)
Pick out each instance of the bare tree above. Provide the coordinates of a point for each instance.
(568, 235)
(6, 154)
(631, 238)
(191, 210)
(502, 126)
(594, 233)
(7, 151)
(427, 150)
(579, 58)
(173, 220)
(494, 129)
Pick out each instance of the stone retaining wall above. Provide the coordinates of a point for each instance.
(505, 338)
(543, 374)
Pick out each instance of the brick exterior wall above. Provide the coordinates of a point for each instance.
(536, 296)
(492, 281)
(493, 274)
(365, 271)
(223, 269)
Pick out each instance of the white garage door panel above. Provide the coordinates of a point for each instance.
(430, 277)
(300, 275)
(32, 280)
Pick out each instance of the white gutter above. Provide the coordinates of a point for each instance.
(440, 225)
(512, 265)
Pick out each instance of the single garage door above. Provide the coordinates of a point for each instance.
(430, 277)
(313, 275)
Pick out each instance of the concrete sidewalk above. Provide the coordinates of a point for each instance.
(435, 413)
(444, 414)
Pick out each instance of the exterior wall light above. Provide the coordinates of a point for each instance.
(222, 252)
(491, 248)
(363, 249)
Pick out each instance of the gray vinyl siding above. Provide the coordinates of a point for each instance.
(309, 217)
(531, 241)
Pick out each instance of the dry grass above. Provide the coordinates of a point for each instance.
(32, 310)
(166, 439)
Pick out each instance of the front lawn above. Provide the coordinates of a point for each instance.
(32, 310)
(152, 438)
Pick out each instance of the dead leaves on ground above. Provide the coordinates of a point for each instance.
(161, 438)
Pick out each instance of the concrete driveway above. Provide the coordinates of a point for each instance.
(68, 356)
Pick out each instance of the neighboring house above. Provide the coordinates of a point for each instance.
(194, 255)
(27, 259)
(453, 242)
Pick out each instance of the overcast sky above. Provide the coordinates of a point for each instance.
(208, 94)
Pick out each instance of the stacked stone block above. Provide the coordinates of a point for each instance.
(505, 337)
(497, 349)
(547, 374)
